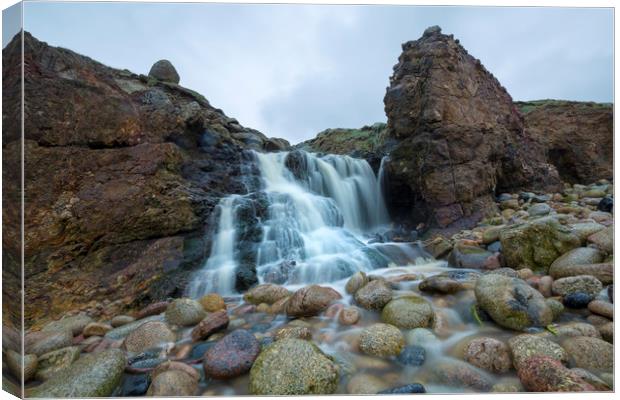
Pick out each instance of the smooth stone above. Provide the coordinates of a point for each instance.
(147, 336)
(213, 323)
(453, 372)
(405, 389)
(585, 229)
(92, 375)
(122, 331)
(606, 204)
(374, 295)
(199, 350)
(356, 282)
(557, 308)
(121, 320)
(266, 293)
(421, 337)
(576, 284)
(51, 363)
(603, 239)
(152, 310)
(592, 379)
(489, 354)
(571, 329)
(14, 362)
(607, 332)
(42, 342)
(163, 70)
(184, 312)
(604, 272)
(412, 355)
(590, 353)
(525, 346)
(135, 385)
(579, 255)
(365, 384)
(465, 256)
(349, 316)
(508, 385)
(310, 301)
(577, 300)
(408, 312)
(546, 374)
(232, 356)
(173, 382)
(96, 329)
(602, 308)
(75, 324)
(293, 367)
(511, 302)
(381, 340)
(212, 302)
(539, 210)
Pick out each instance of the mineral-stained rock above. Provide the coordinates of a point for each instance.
(232, 356)
(185, 312)
(293, 367)
(489, 354)
(214, 322)
(577, 137)
(577, 284)
(458, 136)
(537, 244)
(144, 163)
(523, 347)
(374, 295)
(212, 302)
(546, 374)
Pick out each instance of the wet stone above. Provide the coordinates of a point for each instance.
(412, 355)
(406, 389)
(135, 385)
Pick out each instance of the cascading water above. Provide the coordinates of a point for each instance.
(307, 223)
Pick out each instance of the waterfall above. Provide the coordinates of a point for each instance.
(307, 223)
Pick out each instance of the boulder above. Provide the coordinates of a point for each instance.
(604, 272)
(75, 324)
(311, 300)
(585, 229)
(590, 353)
(173, 382)
(231, 356)
(293, 367)
(45, 341)
(213, 323)
(121, 320)
(464, 256)
(185, 312)
(266, 293)
(453, 372)
(124, 330)
(355, 282)
(381, 340)
(374, 295)
(49, 364)
(147, 336)
(212, 302)
(576, 284)
(163, 70)
(523, 347)
(92, 375)
(449, 282)
(537, 244)
(579, 255)
(408, 312)
(546, 374)
(489, 354)
(603, 239)
(602, 308)
(511, 302)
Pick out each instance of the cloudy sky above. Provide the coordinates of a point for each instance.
(294, 70)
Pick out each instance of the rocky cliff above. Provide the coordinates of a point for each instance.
(576, 137)
(461, 139)
(122, 172)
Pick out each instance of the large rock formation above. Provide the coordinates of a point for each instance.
(576, 137)
(122, 172)
(460, 137)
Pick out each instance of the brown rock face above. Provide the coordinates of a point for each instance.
(577, 138)
(122, 173)
(459, 138)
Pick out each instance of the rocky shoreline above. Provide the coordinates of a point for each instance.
(468, 324)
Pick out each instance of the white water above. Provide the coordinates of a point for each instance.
(313, 230)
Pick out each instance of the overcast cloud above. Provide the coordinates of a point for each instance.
(293, 70)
